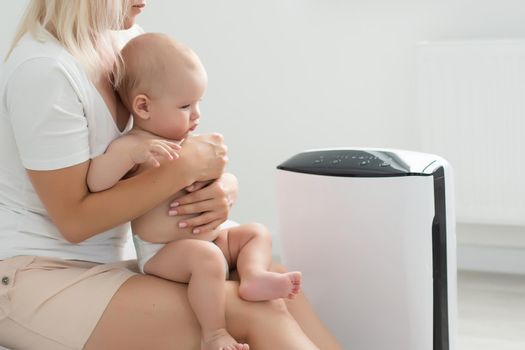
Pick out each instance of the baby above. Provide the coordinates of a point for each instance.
(163, 82)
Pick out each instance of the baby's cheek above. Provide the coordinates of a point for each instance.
(179, 131)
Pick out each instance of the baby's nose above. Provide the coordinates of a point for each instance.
(195, 115)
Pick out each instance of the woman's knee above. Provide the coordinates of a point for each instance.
(245, 317)
(263, 313)
(277, 306)
(263, 310)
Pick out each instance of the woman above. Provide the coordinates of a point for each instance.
(60, 287)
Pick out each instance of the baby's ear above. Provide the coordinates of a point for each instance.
(140, 105)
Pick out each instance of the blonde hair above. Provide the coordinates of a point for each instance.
(83, 27)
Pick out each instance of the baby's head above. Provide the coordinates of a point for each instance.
(162, 83)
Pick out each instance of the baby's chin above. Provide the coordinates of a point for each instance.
(178, 138)
(189, 133)
(181, 137)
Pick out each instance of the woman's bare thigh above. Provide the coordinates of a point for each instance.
(150, 313)
(147, 313)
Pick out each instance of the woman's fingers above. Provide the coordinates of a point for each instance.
(217, 205)
(208, 227)
(202, 219)
(206, 224)
(214, 190)
(197, 186)
(213, 213)
(212, 202)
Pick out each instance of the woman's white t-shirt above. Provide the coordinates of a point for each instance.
(51, 117)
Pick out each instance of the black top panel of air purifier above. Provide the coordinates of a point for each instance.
(350, 163)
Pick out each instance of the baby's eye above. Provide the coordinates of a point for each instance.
(185, 107)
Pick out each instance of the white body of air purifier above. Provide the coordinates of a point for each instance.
(373, 232)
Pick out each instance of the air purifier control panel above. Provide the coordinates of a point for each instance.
(356, 163)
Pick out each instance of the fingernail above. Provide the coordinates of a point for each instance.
(196, 231)
(182, 224)
(172, 212)
(174, 204)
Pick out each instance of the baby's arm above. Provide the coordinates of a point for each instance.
(122, 155)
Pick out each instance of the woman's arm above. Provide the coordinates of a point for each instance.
(122, 155)
(79, 214)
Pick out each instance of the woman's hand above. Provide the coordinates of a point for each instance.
(203, 157)
(211, 199)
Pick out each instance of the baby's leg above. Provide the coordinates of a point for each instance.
(200, 264)
(250, 248)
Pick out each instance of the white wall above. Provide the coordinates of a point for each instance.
(288, 75)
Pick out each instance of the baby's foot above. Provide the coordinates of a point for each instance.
(270, 285)
(221, 340)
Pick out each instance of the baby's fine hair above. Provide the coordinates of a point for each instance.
(147, 60)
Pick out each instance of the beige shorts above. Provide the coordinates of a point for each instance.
(48, 303)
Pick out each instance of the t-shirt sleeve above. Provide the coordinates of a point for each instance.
(47, 116)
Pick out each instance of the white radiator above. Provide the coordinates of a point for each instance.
(471, 109)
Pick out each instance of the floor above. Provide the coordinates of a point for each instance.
(491, 311)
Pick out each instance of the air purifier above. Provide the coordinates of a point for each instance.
(373, 232)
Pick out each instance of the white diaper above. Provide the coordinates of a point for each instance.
(145, 251)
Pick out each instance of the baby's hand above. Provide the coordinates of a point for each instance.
(154, 150)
